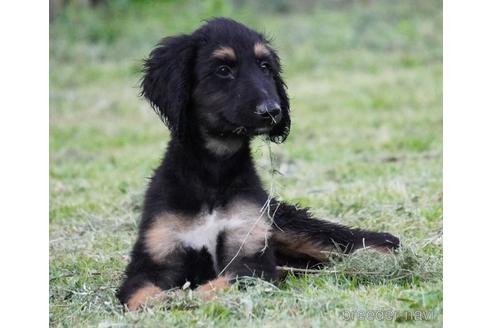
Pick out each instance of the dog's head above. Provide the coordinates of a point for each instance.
(223, 80)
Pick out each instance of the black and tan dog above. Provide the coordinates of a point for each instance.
(206, 219)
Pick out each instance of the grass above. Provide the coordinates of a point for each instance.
(365, 149)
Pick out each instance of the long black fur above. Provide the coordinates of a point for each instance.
(186, 87)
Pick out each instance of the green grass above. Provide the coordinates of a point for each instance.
(365, 149)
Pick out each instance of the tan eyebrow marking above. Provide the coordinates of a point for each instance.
(261, 50)
(224, 53)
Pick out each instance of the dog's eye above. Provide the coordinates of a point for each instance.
(224, 71)
(265, 66)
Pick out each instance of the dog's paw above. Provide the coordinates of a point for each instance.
(381, 241)
(143, 296)
(209, 290)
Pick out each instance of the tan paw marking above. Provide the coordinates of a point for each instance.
(143, 295)
(208, 291)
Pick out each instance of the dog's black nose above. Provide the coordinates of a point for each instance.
(269, 110)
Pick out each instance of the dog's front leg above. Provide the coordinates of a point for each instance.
(298, 235)
(261, 265)
(237, 261)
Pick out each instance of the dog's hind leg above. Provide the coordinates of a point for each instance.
(301, 240)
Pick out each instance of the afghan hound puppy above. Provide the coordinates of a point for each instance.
(206, 218)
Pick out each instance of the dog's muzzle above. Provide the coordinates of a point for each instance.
(269, 111)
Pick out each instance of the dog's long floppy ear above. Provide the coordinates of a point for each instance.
(167, 80)
(280, 131)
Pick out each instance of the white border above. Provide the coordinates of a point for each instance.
(24, 163)
(467, 162)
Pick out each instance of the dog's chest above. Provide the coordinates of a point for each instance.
(205, 233)
(243, 226)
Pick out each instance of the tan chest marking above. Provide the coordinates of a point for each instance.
(160, 239)
(252, 234)
(245, 228)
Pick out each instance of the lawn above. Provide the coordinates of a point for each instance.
(365, 149)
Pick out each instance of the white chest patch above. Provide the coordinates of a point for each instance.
(206, 233)
(246, 231)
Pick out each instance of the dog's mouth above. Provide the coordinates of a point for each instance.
(243, 130)
(240, 129)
